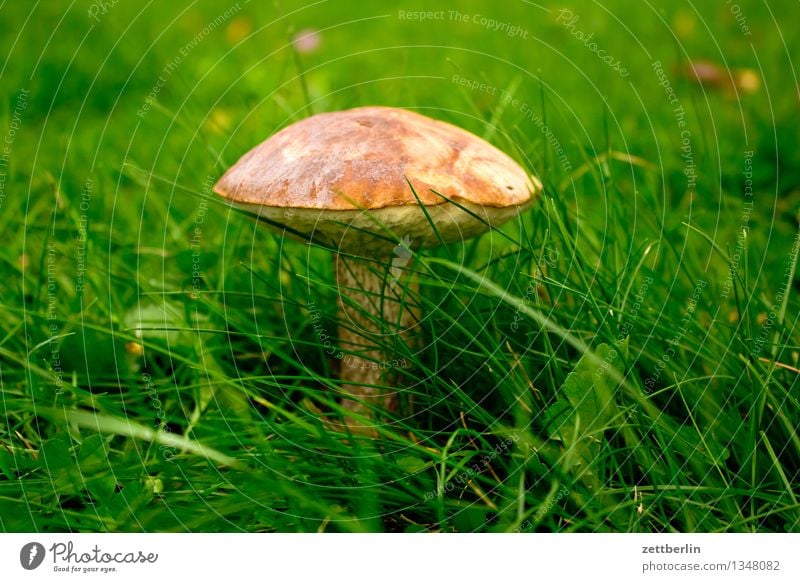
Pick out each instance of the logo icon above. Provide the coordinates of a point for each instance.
(31, 555)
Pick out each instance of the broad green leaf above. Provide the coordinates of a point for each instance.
(129, 501)
(7, 464)
(102, 486)
(411, 464)
(590, 389)
(93, 452)
(469, 519)
(586, 405)
(557, 418)
(55, 455)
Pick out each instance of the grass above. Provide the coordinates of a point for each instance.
(622, 358)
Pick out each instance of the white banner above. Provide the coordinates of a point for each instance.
(401, 557)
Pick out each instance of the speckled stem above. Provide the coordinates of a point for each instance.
(369, 373)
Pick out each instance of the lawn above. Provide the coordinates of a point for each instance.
(622, 358)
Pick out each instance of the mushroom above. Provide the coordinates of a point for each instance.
(371, 182)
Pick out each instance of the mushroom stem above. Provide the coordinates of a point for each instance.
(372, 311)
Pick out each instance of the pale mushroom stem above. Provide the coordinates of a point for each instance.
(371, 309)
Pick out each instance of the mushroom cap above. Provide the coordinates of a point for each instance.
(344, 177)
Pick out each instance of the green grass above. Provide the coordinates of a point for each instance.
(591, 367)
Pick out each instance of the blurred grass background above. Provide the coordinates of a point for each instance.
(158, 366)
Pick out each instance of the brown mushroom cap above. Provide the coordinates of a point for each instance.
(350, 168)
